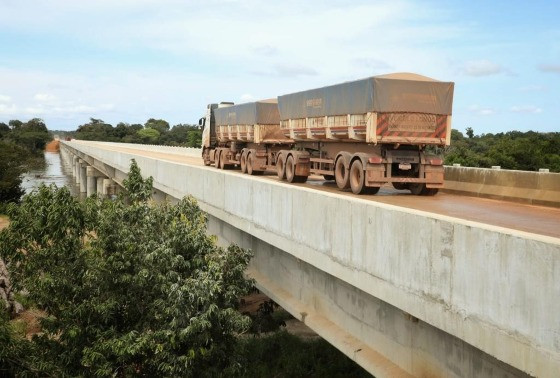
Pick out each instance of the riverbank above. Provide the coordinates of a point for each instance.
(53, 146)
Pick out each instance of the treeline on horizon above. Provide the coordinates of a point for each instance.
(21, 149)
(154, 131)
(526, 151)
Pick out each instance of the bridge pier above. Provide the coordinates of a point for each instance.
(94, 181)
(83, 176)
(76, 169)
(109, 188)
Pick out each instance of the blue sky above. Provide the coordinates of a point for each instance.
(130, 60)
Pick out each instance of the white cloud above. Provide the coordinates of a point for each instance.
(247, 97)
(44, 97)
(4, 98)
(482, 68)
(526, 109)
(482, 111)
(8, 110)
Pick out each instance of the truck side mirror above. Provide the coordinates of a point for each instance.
(201, 122)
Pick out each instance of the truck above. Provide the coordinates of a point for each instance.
(361, 134)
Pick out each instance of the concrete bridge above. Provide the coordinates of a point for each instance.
(448, 286)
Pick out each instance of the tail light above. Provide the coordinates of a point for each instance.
(435, 161)
(375, 159)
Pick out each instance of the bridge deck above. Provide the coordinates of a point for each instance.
(528, 218)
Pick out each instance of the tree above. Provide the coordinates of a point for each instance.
(148, 135)
(96, 129)
(157, 124)
(32, 135)
(4, 130)
(15, 124)
(12, 165)
(136, 289)
(469, 131)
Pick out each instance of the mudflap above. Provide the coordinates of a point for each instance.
(434, 176)
(375, 175)
(302, 161)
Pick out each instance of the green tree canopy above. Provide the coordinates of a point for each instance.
(527, 151)
(148, 135)
(96, 129)
(12, 165)
(136, 289)
(157, 124)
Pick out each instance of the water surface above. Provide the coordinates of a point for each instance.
(55, 172)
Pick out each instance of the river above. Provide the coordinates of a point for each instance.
(55, 172)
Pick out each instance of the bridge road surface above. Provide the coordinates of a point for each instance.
(534, 219)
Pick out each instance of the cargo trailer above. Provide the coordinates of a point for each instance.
(361, 134)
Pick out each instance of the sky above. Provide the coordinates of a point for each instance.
(130, 60)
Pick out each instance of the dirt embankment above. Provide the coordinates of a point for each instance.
(53, 146)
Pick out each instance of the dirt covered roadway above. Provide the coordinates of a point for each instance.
(522, 217)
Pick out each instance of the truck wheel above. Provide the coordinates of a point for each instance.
(222, 160)
(217, 159)
(430, 191)
(416, 189)
(243, 162)
(357, 177)
(341, 175)
(281, 167)
(206, 157)
(291, 171)
(249, 164)
(400, 185)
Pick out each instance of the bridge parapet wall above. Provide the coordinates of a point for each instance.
(538, 188)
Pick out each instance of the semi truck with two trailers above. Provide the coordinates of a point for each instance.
(361, 134)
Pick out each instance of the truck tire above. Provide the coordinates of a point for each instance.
(329, 177)
(417, 189)
(358, 179)
(250, 169)
(249, 164)
(291, 171)
(217, 159)
(430, 191)
(222, 160)
(400, 185)
(341, 174)
(243, 162)
(281, 167)
(206, 157)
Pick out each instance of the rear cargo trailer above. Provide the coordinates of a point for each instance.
(362, 134)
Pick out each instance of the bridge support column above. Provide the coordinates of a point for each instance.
(91, 181)
(74, 167)
(83, 177)
(99, 184)
(78, 170)
(109, 188)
